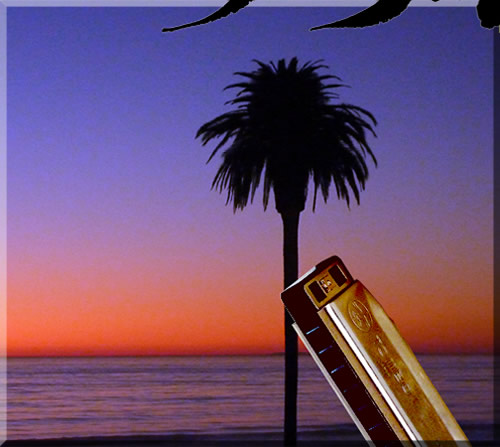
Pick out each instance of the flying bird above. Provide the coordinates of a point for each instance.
(231, 6)
(382, 11)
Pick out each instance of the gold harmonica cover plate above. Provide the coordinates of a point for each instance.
(374, 340)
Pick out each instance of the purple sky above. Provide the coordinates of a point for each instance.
(107, 185)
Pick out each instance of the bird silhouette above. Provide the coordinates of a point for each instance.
(231, 6)
(382, 11)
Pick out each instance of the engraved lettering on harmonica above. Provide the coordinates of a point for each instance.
(362, 319)
(389, 365)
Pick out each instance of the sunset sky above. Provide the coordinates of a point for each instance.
(117, 245)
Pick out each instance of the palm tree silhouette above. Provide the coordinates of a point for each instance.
(285, 127)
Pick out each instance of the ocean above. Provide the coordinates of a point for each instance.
(222, 396)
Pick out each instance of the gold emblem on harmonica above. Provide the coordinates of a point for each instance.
(360, 315)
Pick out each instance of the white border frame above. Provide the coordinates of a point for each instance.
(3, 118)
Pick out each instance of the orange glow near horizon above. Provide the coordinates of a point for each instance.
(107, 314)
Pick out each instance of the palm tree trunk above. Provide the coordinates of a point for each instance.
(291, 268)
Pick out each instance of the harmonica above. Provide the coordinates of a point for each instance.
(366, 361)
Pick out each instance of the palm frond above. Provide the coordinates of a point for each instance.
(286, 128)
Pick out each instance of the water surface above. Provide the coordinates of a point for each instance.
(111, 396)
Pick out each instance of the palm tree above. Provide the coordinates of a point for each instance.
(285, 128)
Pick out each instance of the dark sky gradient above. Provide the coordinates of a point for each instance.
(116, 245)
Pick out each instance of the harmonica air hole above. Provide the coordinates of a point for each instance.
(376, 425)
(312, 330)
(353, 386)
(336, 369)
(326, 349)
(317, 291)
(337, 275)
(362, 407)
